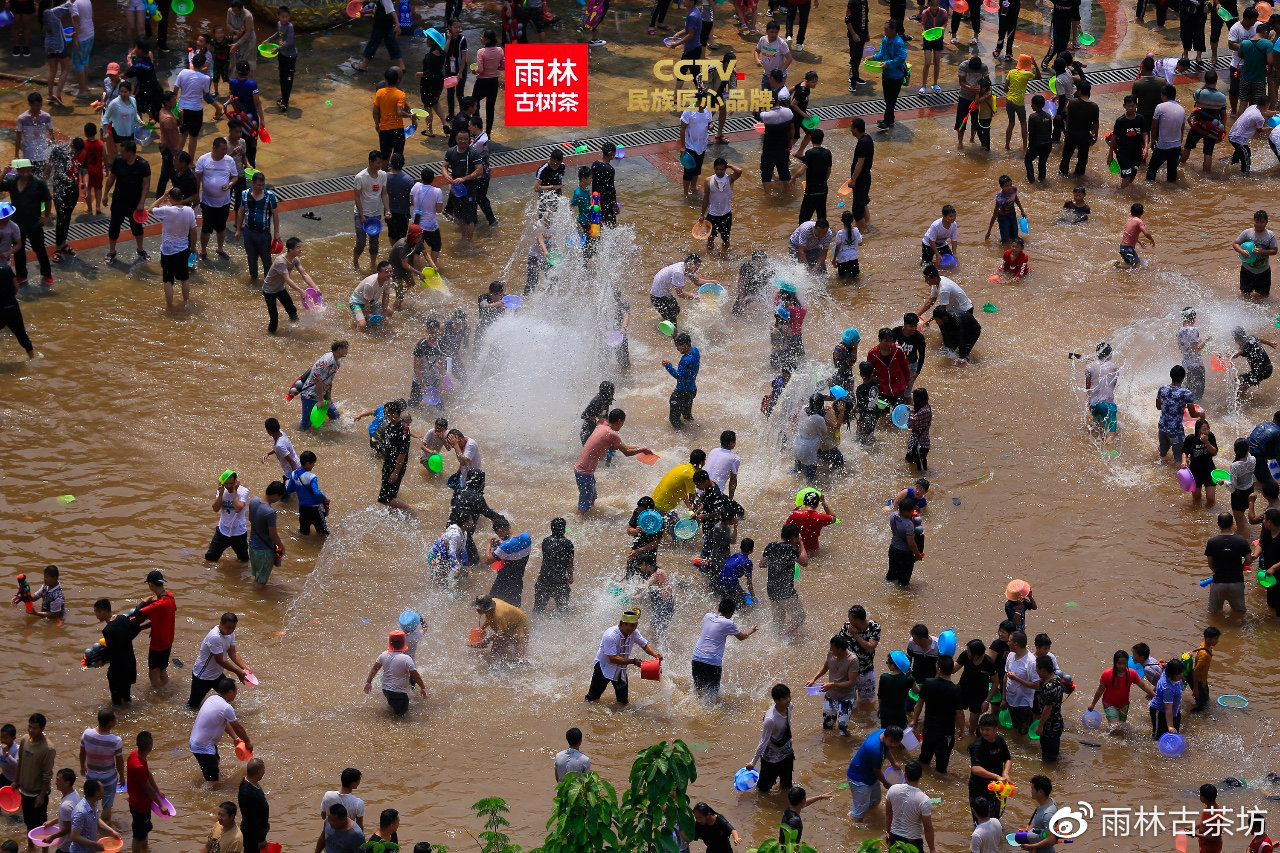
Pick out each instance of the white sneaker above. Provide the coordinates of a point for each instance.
(973, 40)
(800, 47)
(953, 40)
(597, 42)
(788, 39)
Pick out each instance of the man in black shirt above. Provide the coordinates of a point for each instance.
(942, 706)
(712, 829)
(908, 338)
(864, 153)
(464, 167)
(34, 205)
(1227, 553)
(122, 665)
(989, 761)
(1064, 14)
(392, 441)
(602, 182)
(11, 312)
(131, 179)
(549, 180)
(798, 801)
(255, 813)
(800, 109)
(1081, 129)
(556, 574)
(780, 560)
(816, 166)
(1148, 86)
(184, 178)
(857, 22)
(1127, 140)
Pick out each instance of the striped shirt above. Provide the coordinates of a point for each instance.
(100, 754)
(257, 211)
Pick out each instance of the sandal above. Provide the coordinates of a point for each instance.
(56, 257)
(110, 258)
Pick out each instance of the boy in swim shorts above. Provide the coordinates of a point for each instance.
(1134, 231)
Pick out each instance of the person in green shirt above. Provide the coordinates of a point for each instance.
(1253, 66)
(581, 200)
(894, 685)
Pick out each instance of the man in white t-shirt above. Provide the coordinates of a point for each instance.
(614, 656)
(468, 454)
(1021, 681)
(708, 654)
(217, 653)
(216, 172)
(695, 135)
(908, 811)
(1166, 133)
(428, 201)
(722, 463)
(988, 834)
(772, 53)
(1248, 125)
(372, 296)
(177, 242)
(347, 784)
(213, 720)
(230, 502)
(942, 238)
(945, 292)
(192, 86)
(371, 207)
(669, 283)
(398, 672)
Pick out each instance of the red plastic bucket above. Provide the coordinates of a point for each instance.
(242, 751)
(651, 670)
(476, 638)
(10, 799)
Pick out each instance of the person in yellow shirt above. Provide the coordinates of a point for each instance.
(506, 626)
(676, 485)
(1015, 96)
(389, 112)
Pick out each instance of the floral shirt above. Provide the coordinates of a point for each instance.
(869, 634)
(1173, 400)
(1050, 695)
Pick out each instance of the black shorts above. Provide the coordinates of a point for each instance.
(690, 174)
(858, 206)
(721, 225)
(1240, 499)
(1255, 377)
(23, 7)
(208, 766)
(191, 122)
(56, 54)
(530, 16)
(398, 702)
(1128, 161)
(158, 658)
(465, 210)
(973, 702)
(432, 239)
(1194, 137)
(120, 139)
(666, 306)
(175, 267)
(1256, 282)
(214, 219)
(141, 823)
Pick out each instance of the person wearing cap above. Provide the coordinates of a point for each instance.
(131, 180)
(11, 311)
(686, 376)
(670, 282)
(33, 207)
(412, 625)
(505, 625)
(407, 260)
(159, 613)
(1100, 386)
(258, 222)
(614, 657)
(177, 242)
(10, 233)
(398, 672)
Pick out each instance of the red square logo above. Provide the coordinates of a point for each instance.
(546, 85)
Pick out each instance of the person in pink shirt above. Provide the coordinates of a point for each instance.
(603, 439)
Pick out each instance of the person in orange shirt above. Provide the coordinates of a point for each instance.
(389, 112)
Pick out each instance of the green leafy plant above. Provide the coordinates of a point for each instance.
(788, 845)
(584, 816)
(657, 803)
(872, 845)
(492, 838)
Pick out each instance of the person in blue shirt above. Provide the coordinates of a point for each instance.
(313, 506)
(866, 773)
(1264, 445)
(893, 53)
(686, 375)
(1166, 704)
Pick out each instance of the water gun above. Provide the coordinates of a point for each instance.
(1002, 789)
(596, 218)
(95, 655)
(24, 594)
(297, 385)
(1027, 836)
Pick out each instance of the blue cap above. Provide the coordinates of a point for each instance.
(851, 336)
(410, 620)
(838, 393)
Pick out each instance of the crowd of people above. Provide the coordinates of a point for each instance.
(929, 697)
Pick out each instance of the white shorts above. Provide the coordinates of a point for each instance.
(866, 686)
